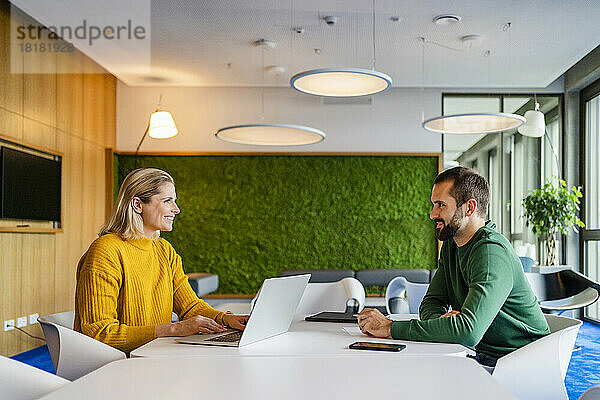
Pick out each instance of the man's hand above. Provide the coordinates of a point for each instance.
(450, 314)
(372, 322)
(191, 326)
(235, 321)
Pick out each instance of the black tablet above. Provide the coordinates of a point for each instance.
(332, 316)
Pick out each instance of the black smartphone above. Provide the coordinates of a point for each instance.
(377, 346)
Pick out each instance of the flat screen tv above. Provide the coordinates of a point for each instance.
(29, 186)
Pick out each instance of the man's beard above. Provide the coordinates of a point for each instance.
(449, 230)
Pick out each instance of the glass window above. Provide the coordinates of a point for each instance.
(551, 156)
(494, 209)
(592, 257)
(590, 101)
(513, 164)
(592, 146)
(456, 145)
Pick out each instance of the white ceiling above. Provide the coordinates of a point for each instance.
(208, 43)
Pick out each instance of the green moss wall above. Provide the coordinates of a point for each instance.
(247, 218)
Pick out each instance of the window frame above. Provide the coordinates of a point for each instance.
(562, 148)
(585, 235)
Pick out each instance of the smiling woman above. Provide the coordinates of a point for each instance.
(130, 280)
(159, 211)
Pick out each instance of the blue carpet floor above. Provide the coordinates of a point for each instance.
(584, 369)
(583, 373)
(38, 357)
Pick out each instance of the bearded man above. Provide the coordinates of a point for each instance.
(479, 296)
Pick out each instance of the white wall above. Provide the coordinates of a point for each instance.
(391, 124)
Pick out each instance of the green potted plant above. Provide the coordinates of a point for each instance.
(551, 209)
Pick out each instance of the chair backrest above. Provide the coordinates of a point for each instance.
(537, 370)
(527, 263)
(563, 290)
(63, 319)
(400, 287)
(331, 296)
(74, 354)
(592, 393)
(559, 285)
(383, 277)
(20, 381)
(568, 329)
(321, 275)
(432, 274)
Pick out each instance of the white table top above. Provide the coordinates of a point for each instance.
(290, 378)
(303, 339)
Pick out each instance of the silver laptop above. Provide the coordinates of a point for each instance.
(272, 315)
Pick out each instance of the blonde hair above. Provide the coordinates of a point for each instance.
(142, 183)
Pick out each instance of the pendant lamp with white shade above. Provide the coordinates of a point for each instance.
(343, 81)
(269, 134)
(472, 123)
(161, 126)
(535, 125)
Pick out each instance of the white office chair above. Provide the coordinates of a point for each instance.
(592, 393)
(537, 370)
(19, 381)
(332, 296)
(399, 291)
(74, 354)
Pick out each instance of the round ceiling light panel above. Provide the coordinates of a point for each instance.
(341, 82)
(271, 134)
(474, 123)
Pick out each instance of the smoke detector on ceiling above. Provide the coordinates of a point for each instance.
(471, 41)
(330, 20)
(264, 43)
(447, 19)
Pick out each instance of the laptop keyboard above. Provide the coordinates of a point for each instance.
(231, 337)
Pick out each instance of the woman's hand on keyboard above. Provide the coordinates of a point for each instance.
(235, 321)
(190, 326)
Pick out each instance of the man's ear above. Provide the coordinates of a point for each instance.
(471, 207)
(136, 204)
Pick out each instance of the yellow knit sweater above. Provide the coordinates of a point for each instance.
(125, 288)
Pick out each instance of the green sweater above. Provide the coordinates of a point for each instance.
(484, 280)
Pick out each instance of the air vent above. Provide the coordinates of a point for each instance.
(446, 19)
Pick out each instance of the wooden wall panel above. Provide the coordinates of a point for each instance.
(70, 241)
(11, 264)
(39, 133)
(39, 89)
(90, 186)
(93, 108)
(11, 124)
(110, 111)
(37, 282)
(70, 109)
(11, 93)
(69, 93)
(100, 179)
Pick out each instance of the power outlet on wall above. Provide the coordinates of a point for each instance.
(9, 325)
(21, 322)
